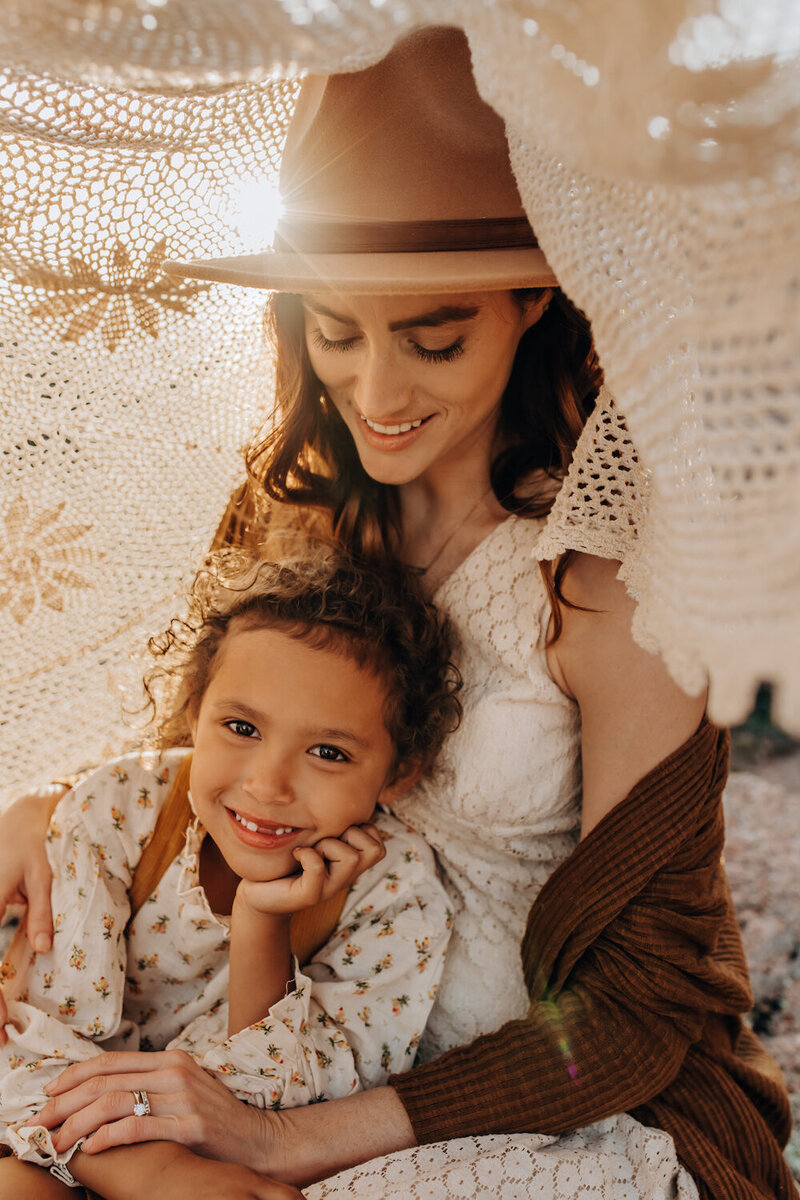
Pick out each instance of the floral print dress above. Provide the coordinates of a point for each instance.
(355, 1015)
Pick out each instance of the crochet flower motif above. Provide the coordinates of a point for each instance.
(38, 556)
(125, 298)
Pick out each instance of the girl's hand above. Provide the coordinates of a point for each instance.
(187, 1106)
(330, 866)
(204, 1180)
(172, 1172)
(24, 870)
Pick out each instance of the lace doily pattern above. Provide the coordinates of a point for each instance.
(660, 171)
(614, 1158)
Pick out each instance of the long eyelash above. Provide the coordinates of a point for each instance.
(440, 356)
(324, 343)
(447, 354)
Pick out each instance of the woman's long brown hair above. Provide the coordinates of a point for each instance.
(308, 457)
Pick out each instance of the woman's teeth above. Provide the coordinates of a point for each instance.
(393, 429)
(254, 828)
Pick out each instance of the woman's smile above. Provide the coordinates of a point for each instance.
(392, 438)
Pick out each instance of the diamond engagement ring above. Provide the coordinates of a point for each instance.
(141, 1105)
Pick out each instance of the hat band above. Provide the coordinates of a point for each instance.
(304, 236)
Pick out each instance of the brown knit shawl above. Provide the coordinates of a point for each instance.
(637, 980)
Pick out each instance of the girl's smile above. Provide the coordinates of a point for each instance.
(263, 834)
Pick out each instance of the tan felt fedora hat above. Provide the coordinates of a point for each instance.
(394, 179)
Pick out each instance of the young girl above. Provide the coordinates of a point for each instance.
(312, 694)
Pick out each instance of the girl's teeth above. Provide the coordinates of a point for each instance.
(251, 825)
(393, 429)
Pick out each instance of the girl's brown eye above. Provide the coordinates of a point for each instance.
(329, 753)
(242, 729)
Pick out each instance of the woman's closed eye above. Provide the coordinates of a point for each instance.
(332, 345)
(329, 753)
(426, 353)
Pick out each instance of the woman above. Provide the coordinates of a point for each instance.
(432, 384)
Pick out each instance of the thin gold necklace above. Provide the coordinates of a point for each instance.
(459, 525)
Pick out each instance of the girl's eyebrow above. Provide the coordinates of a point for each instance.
(445, 315)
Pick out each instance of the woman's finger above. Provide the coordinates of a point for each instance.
(86, 1095)
(112, 1116)
(38, 881)
(119, 1062)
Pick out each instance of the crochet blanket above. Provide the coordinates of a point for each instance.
(656, 151)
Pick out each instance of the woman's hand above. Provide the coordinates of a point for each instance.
(330, 866)
(187, 1106)
(24, 870)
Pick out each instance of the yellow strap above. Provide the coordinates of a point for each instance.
(309, 930)
(167, 841)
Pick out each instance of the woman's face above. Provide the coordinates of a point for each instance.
(418, 380)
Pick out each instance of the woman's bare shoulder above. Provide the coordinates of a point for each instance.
(591, 582)
(633, 714)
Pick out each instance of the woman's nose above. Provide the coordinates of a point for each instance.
(381, 392)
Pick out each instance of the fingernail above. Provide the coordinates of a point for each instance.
(48, 1087)
(41, 943)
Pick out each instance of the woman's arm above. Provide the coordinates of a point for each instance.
(24, 869)
(633, 714)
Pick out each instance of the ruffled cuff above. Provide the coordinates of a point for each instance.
(34, 1144)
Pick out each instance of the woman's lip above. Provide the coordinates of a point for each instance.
(391, 441)
(263, 838)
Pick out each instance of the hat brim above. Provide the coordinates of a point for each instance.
(432, 272)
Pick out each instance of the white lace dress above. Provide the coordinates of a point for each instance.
(502, 812)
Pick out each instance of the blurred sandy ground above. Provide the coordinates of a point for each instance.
(762, 808)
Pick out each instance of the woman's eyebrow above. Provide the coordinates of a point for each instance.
(444, 315)
(439, 316)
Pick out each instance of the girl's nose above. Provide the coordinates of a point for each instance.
(269, 779)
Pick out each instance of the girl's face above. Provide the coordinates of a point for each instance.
(418, 380)
(290, 746)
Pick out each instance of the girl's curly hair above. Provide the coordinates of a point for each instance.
(377, 617)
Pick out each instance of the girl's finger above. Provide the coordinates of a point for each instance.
(365, 838)
(334, 850)
(310, 860)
